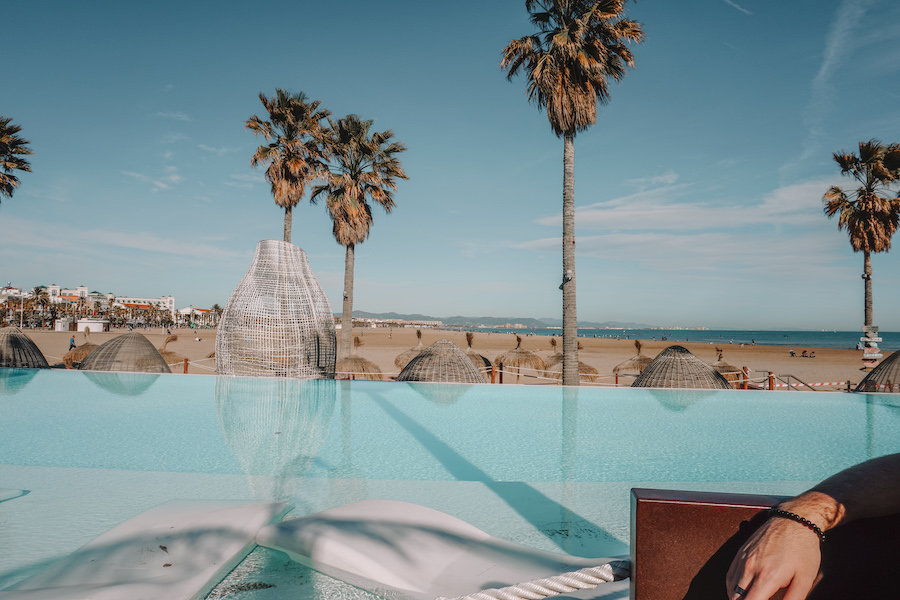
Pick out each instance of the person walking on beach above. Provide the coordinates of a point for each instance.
(72, 342)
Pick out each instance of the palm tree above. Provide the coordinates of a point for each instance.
(869, 213)
(12, 149)
(360, 167)
(579, 46)
(293, 133)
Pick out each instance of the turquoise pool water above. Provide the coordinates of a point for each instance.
(546, 466)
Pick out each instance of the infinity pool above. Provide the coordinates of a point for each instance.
(550, 467)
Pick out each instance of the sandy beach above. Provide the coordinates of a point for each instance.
(382, 345)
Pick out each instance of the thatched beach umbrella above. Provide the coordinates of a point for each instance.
(731, 373)
(586, 372)
(358, 368)
(634, 365)
(18, 351)
(883, 378)
(130, 352)
(169, 356)
(481, 362)
(517, 359)
(676, 367)
(403, 359)
(73, 358)
(442, 361)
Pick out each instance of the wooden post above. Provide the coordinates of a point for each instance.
(771, 380)
(617, 380)
(746, 382)
(501, 372)
(493, 374)
(185, 366)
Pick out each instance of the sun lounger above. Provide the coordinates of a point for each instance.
(407, 551)
(177, 551)
(682, 543)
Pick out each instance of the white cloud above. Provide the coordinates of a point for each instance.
(50, 236)
(644, 183)
(164, 182)
(218, 151)
(171, 138)
(244, 181)
(177, 116)
(737, 6)
(665, 208)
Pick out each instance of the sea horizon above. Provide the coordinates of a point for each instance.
(798, 339)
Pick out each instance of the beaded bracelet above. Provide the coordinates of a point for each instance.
(777, 512)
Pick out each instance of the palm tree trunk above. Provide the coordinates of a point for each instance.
(570, 321)
(867, 278)
(347, 310)
(287, 224)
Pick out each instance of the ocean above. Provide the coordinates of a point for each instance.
(793, 339)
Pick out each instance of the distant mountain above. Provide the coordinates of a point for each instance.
(461, 321)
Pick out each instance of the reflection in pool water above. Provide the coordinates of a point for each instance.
(550, 467)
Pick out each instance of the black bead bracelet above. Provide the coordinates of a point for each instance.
(777, 512)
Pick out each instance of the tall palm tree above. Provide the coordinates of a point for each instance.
(360, 167)
(293, 132)
(12, 149)
(578, 48)
(869, 213)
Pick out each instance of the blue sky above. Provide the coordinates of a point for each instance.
(698, 191)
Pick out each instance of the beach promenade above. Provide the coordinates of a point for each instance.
(382, 345)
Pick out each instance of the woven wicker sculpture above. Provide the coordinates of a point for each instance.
(131, 352)
(122, 384)
(676, 367)
(275, 428)
(883, 378)
(442, 361)
(18, 351)
(277, 322)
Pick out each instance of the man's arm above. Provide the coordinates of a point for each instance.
(783, 553)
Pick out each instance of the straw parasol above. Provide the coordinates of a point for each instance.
(731, 373)
(519, 359)
(442, 361)
(634, 365)
(481, 362)
(18, 351)
(357, 367)
(403, 359)
(676, 367)
(883, 378)
(169, 356)
(73, 358)
(586, 372)
(130, 352)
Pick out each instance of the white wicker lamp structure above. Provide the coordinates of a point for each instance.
(883, 378)
(442, 361)
(18, 351)
(277, 322)
(676, 367)
(131, 352)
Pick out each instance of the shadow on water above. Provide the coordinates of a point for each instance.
(532, 505)
(13, 380)
(275, 428)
